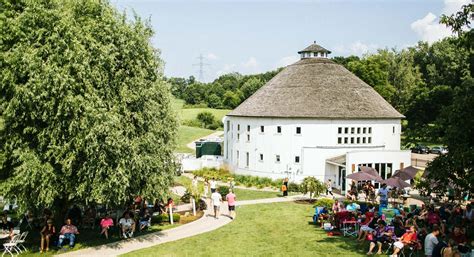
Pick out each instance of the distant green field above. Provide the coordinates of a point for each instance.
(188, 134)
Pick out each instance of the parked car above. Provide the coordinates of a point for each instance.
(439, 150)
(420, 149)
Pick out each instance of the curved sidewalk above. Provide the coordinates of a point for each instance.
(205, 224)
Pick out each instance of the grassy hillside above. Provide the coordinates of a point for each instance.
(188, 134)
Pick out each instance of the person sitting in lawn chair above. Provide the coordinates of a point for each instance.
(145, 220)
(106, 223)
(47, 233)
(69, 232)
(382, 235)
(406, 239)
(127, 225)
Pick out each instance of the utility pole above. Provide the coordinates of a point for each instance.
(201, 65)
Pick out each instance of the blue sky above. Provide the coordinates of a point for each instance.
(256, 36)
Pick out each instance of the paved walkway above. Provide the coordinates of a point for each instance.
(205, 224)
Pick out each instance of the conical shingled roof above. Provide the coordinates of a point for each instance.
(316, 88)
(314, 48)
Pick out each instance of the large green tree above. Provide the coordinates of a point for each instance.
(87, 116)
(456, 121)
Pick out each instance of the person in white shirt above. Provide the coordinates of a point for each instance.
(128, 225)
(431, 241)
(383, 193)
(213, 184)
(216, 202)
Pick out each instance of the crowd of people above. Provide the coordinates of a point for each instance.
(446, 230)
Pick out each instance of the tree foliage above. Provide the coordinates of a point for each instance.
(226, 92)
(312, 186)
(87, 116)
(456, 121)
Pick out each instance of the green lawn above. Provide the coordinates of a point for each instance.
(277, 229)
(191, 113)
(249, 194)
(188, 134)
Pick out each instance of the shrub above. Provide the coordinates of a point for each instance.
(191, 123)
(186, 198)
(293, 187)
(223, 190)
(164, 217)
(312, 186)
(206, 118)
(324, 202)
(201, 205)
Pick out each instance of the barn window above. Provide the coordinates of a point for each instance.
(346, 130)
(262, 129)
(278, 129)
(277, 158)
(248, 137)
(238, 127)
(261, 157)
(346, 140)
(339, 130)
(370, 130)
(298, 130)
(352, 140)
(363, 140)
(369, 140)
(339, 140)
(297, 159)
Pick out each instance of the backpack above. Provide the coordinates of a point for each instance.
(283, 188)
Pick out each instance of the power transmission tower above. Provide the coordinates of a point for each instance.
(201, 65)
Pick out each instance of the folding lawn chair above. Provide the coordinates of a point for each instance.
(11, 246)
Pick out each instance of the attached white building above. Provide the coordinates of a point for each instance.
(314, 118)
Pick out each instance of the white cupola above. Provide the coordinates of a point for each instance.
(314, 51)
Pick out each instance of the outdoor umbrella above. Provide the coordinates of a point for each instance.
(361, 176)
(372, 172)
(396, 182)
(407, 173)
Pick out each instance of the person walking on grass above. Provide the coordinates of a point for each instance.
(216, 199)
(329, 188)
(284, 187)
(230, 197)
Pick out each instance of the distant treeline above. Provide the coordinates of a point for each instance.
(418, 81)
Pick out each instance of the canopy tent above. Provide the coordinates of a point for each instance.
(373, 172)
(396, 182)
(407, 173)
(361, 176)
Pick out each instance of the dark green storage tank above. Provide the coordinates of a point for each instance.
(208, 148)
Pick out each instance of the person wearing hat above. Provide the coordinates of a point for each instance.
(47, 233)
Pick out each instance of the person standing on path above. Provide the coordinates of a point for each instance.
(213, 184)
(230, 197)
(329, 188)
(216, 202)
(284, 187)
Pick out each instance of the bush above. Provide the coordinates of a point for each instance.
(324, 202)
(164, 217)
(201, 205)
(186, 198)
(293, 187)
(191, 123)
(206, 118)
(223, 190)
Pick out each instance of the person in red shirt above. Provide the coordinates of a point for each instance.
(407, 238)
(458, 236)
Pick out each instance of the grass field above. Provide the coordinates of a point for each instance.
(249, 194)
(277, 229)
(187, 134)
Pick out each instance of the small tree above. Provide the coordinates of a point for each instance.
(312, 186)
(206, 118)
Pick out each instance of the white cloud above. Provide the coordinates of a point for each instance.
(251, 63)
(428, 27)
(228, 68)
(453, 6)
(212, 56)
(285, 61)
(356, 48)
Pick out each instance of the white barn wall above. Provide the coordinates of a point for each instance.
(316, 143)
